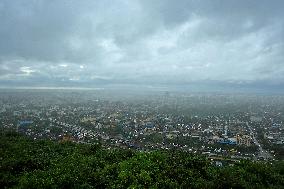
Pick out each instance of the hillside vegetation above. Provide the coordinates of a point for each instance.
(27, 163)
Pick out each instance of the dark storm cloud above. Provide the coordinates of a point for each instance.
(142, 42)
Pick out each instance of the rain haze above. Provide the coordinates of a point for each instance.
(192, 45)
(142, 94)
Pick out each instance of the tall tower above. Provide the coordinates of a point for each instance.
(166, 98)
(226, 130)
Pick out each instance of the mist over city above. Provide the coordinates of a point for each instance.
(142, 94)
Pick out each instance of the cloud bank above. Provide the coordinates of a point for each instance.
(162, 42)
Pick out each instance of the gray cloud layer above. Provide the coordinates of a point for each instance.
(141, 42)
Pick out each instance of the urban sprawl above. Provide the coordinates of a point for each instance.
(225, 128)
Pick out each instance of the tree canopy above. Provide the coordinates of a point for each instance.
(27, 163)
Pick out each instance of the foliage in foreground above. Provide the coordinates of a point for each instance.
(45, 164)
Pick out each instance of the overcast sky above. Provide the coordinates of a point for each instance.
(147, 42)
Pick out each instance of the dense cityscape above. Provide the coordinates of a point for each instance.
(225, 128)
(142, 94)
